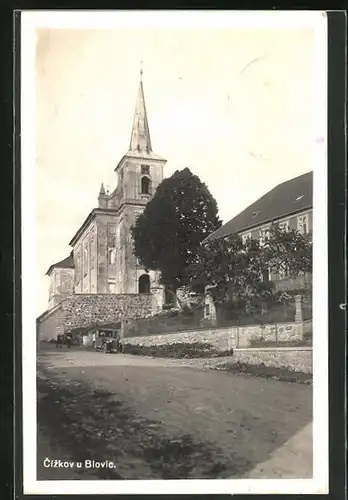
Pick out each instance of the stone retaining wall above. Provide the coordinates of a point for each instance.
(83, 310)
(223, 339)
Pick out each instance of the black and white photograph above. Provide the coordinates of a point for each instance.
(174, 259)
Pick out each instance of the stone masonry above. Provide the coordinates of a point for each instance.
(223, 339)
(83, 310)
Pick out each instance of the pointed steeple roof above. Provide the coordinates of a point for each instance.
(102, 190)
(140, 139)
(140, 146)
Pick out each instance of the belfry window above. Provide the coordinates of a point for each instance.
(145, 170)
(145, 185)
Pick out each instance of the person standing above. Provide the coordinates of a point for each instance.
(58, 341)
(68, 340)
(93, 340)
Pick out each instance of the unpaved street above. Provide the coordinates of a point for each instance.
(157, 418)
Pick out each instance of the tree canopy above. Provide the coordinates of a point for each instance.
(233, 270)
(169, 232)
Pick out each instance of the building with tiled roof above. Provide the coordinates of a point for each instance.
(67, 263)
(289, 205)
(61, 275)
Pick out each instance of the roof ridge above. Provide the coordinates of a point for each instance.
(280, 201)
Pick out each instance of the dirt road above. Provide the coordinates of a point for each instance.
(157, 418)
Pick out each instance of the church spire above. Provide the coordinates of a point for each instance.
(140, 139)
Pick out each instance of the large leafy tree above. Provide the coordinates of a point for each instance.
(230, 269)
(288, 252)
(169, 232)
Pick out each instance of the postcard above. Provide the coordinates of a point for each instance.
(174, 261)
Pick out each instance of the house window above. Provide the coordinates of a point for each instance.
(283, 272)
(145, 185)
(263, 236)
(284, 225)
(145, 170)
(267, 276)
(245, 237)
(302, 224)
(207, 310)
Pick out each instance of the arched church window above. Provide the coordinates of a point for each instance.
(112, 240)
(112, 255)
(85, 260)
(144, 283)
(145, 185)
(78, 268)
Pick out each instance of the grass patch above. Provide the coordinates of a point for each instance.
(262, 370)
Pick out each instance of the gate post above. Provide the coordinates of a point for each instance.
(299, 311)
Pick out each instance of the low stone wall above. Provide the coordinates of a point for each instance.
(83, 310)
(279, 332)
(223, 339)
(217, 337)
(294, 359)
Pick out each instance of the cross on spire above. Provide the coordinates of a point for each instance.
(141, 70)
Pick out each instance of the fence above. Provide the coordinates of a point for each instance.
(187, 320)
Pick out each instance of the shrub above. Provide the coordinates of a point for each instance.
(178, 350)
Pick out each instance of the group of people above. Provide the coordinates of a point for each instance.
(63, 339)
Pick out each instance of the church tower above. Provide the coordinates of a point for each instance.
(139, 172)
(103, 247)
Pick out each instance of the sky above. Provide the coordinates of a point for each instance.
(234, 105)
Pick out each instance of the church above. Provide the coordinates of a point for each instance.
(102, 259)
